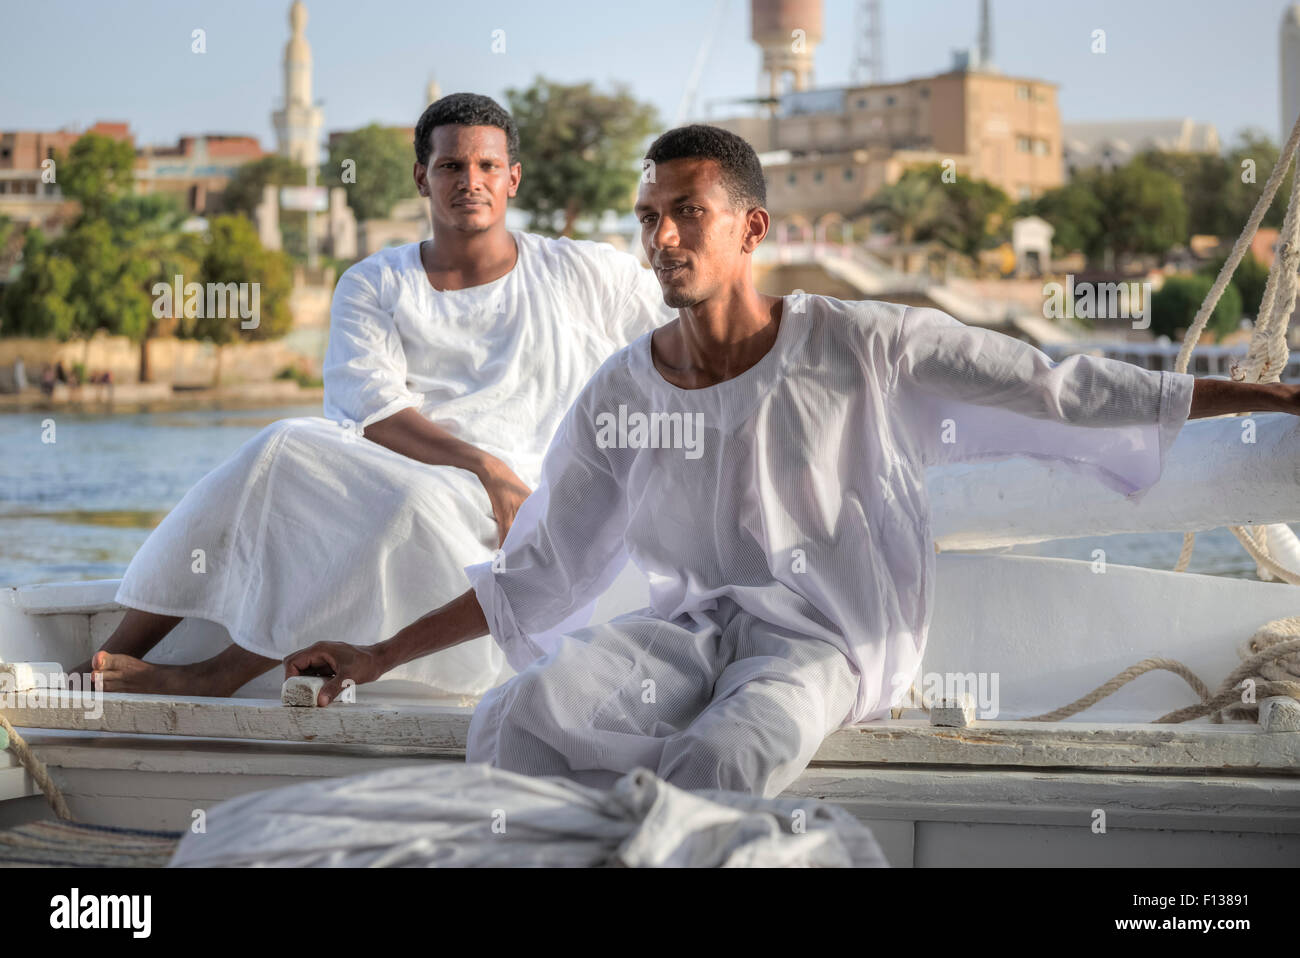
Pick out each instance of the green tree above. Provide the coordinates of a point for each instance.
(1133, 209)
(978, 212)
(914, 206)
(235, 255)
(150, 227)
(96, 171)
(962, 213)
(38, 303)
(1074, 210)
(1252, 157)
(582, 151)
(1203, 178)
(1175, 304)
(1250, 279)
(243, 194)
(381, 162)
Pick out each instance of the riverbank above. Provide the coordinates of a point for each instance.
(136, 397)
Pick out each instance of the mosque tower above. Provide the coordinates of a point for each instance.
(1288, 62)
(774, 23)
(432, 93)
(298, 125)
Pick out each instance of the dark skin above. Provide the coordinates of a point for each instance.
(723, 328)
(468, 182)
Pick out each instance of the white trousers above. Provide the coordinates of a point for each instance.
(309, 533)
(728, 702)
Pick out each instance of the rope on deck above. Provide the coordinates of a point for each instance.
(37, 770)
(1271, 664)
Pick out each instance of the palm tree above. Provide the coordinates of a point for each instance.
(150, 227)
(915, 207)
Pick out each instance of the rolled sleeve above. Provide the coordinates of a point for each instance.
(365, 364)
(966, 394)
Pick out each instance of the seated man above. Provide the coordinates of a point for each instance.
(761, 459)
(450, 365)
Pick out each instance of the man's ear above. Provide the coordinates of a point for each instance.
(516, 174)
(419, 172)
(757, 223)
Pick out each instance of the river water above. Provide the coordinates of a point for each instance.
(79, 507)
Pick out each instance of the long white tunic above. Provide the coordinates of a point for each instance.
(311, 532)
(794, 494)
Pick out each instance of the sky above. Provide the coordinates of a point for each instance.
(68, 63)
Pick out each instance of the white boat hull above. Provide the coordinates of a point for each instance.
(1001, 792)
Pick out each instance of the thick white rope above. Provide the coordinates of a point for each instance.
(1269, 351)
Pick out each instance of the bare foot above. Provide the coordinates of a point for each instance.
(126, 673)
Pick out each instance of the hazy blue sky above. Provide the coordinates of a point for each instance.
(84, 60)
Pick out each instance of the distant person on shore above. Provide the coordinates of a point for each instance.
(48, 379)
(450, 364)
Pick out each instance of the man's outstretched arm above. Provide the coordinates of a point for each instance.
(1219, 397)
(458, 621)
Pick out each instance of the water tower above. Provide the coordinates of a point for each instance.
(788, 32)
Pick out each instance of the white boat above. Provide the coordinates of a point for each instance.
(1025, 635)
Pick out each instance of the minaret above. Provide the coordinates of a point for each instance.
(432, 94)
(298, 124)
(1288, 92)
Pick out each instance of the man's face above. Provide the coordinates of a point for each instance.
(469, 177)
(690, 232)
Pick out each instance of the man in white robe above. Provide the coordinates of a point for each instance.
(449, 367)
(762, 461)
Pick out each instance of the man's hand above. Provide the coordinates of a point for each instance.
(338, 662)
(506, 492)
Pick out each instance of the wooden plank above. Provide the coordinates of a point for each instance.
(903, 742)
(59, 598)
(1030, 797)
(1235, 747)
(428, 727)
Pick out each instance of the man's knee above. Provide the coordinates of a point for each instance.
(502, 731)
(757, 765)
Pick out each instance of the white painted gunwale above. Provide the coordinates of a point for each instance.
(1238, 746)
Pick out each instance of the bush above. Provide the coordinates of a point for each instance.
(299, 375)
(1174, 307)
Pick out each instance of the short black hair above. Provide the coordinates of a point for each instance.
(742, 174)
(464, 109)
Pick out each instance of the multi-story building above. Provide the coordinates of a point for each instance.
(28, 194)
(828, 151)
(196, 170)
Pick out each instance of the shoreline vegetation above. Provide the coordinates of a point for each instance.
(144, 397)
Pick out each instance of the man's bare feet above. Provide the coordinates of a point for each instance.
(126, 673)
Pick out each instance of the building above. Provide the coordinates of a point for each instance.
(826, 151)
(1111, 144)
(831, 149)
(196, 170)
(27, 196)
